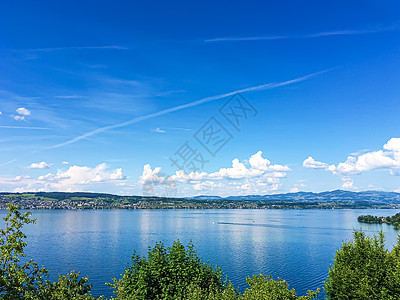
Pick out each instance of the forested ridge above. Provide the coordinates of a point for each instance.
(301, 200)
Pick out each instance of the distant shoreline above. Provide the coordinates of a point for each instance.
(328, 200)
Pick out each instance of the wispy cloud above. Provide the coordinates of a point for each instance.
(178, 128)
(170, 92)
(7, 163)
(159, 130)
(112, 47)
(24, 127)
(70, 97)
(305, 36)
(188, 105)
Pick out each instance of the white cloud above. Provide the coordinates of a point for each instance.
(1, 113)
(5, 180)
(313, 164)
(19, 118)
(41, 165)
(386, 159)
(159, 130)
(153, 179)
(296, 187)
(117, 175)
(259, 163)
(150, 175)
(65, 163)
(23, 111)
(245, 186)
(259, 166)
(348, 183)
(207, 185)
(76, 178)
(259, 177)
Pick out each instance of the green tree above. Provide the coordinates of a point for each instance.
(265, 288)
(17, 280)
(67, 287)
(364, 269)
(27, 280)
(194, 292)
(168, 273)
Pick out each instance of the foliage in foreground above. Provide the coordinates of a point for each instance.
(27, 280)
(167, 273)
(264, 287)
(178, 273)
(365, 269)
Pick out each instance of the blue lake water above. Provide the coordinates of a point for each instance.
(296, 245)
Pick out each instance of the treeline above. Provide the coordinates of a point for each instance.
(362, 269)
(80, 200)
(393, 220)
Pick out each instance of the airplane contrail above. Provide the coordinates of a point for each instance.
(307, 36)
(188, 105)
(9, 162)
(23, 127)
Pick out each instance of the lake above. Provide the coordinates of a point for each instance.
(296, 245)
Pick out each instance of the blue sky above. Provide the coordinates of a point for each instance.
(103, 96)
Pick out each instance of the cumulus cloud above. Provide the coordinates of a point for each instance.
(259, 166)
(65, 163)
(153, 180)
(387, 158)
(4, 180)
(259, 163)
(150, 175)
(41, 165)
(348, 183)
(76, 175)
(313, 164)
(297, 186)
(76, 178)
(206, 185)
(23, 111)
(259, 175)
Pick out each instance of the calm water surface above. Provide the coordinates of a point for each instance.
(297, 245)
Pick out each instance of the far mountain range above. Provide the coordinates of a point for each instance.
(329, 196)
(86, 200)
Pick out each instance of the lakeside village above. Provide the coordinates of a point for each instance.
(49, 200)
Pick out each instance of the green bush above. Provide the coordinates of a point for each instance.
(266, 288)
(167, 273)
(364, 269)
